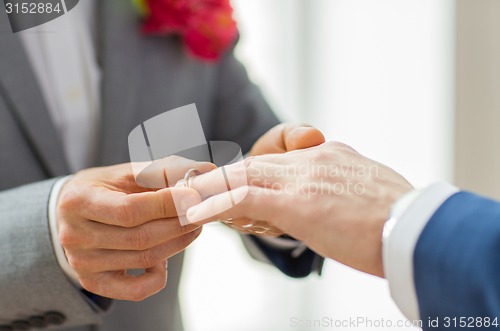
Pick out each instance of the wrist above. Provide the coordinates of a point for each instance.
(393, 197)
(397, 192)
(408, 217)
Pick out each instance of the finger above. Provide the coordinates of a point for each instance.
(167, 171)
(122, 286)
(103, 236)
(272, 141)
(250, 202)
(131, 210)
(121, 174)
(114, 260)
(302, 137)
(255, 171)
(219, 180)
(286, 137)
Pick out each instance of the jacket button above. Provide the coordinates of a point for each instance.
(6, 328)
(21, 325)
(38, 322)
(54, 318)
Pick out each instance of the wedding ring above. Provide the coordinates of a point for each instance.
(228, 221)
(250, 227)
(188, 175)
(259, 230)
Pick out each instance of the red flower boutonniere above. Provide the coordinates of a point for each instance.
(206, 27)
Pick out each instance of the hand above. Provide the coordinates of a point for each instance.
(287, 137)
(108, 224)
(330, 197)
(280, 139)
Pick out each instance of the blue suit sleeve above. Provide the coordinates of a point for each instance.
(457, 264)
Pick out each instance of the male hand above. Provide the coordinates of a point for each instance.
(330, 197)
(282, 138)
(287, 137)
(108, 224)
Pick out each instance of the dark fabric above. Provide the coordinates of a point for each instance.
(298, 267)
(457, 263)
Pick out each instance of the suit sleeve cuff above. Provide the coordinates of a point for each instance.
(409, 216)
(60, 255)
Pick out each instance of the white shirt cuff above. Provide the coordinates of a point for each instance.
(409, 216)
(60, 255)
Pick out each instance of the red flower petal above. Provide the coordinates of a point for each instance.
(167, 16)
(207, 26)
(210, 34)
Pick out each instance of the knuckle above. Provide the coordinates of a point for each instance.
(166, 206)
(69, 201)
(68, 237)
(337, 145)
(137, 293)
(148, 258)
(140, 239)
(281, 126)
(126, 213)
(89, 284)
(324, 154)
(173, 158)
(77, 263)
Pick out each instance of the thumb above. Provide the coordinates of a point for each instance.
(287, 137)
(302, 137)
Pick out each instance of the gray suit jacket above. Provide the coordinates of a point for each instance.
(143, 77)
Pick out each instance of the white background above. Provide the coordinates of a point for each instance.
(376, 74)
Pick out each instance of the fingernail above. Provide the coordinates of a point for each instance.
(186, 220)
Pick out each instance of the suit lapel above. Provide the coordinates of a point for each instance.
(120, 54)
(19, 87)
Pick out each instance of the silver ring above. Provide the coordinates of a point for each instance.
(188, 176)
(248, 226)
(259, 230)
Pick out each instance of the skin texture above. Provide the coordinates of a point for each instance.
(109, 222)
(330, 197)
(282, 138)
